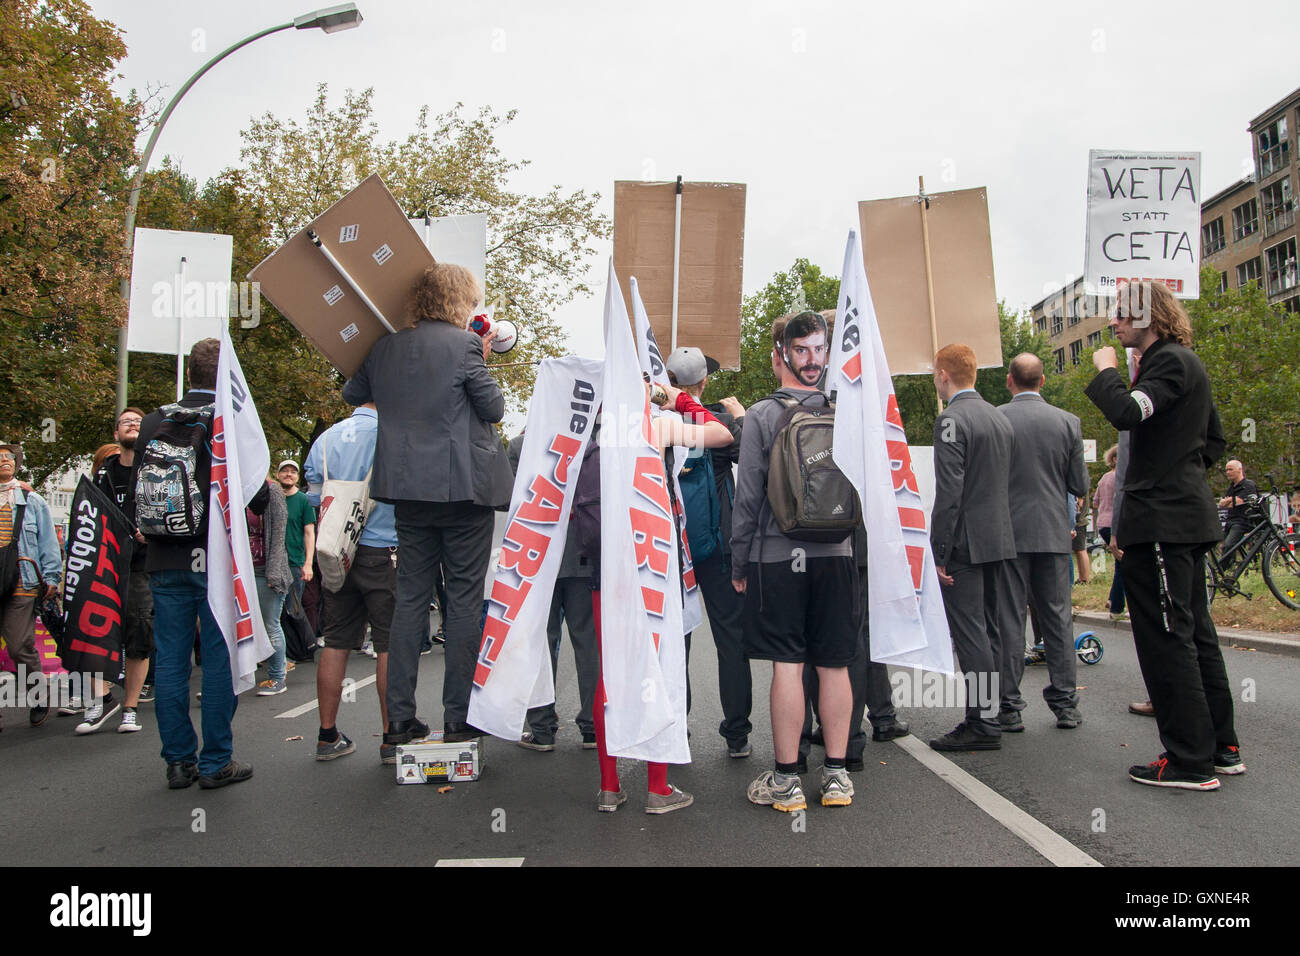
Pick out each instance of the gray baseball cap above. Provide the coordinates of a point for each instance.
(689, 366)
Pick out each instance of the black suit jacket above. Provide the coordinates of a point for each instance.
(1175, 436)
(971, 519)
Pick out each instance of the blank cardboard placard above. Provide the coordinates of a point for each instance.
(173, 306)
(711, 265)
(370, 236)
(460, 240)
(961, 257)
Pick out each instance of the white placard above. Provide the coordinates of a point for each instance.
(1090, 449)
(460, 240)
(165, 290)
(1144, 220)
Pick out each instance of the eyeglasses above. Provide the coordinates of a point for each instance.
(8, 456)
(127, 422)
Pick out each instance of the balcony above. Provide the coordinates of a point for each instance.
(1273, 160)
(1277, 219)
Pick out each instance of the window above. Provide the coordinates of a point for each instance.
(1245, 220)
(1273, 147)
(1094, 339)
(1280, 262)
(1058, 325)
(1212, 237)
(1040, 324)
(1249, 271)
(1292, 304)
(1076, 349)
(1278, 212)
(1223, 282)
(1059, 355)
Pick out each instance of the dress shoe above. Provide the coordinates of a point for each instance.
(962, 737)
(1144, 708)
(232, 772)
(181, 775)
(889, 731)
(405, 731)
(1011, 722)
(458, 733)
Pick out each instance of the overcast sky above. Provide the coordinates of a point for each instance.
(814, 105)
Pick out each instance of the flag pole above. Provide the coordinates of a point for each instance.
(924, 201)
(677, 256)
(180, 330)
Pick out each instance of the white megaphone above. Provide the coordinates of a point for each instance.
(502, 332)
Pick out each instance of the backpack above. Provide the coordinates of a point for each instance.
(811, 500)
(703, 511)
(168, 500)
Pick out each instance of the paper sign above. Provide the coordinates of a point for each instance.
(460, 240)
(1090, 449)
(349, 233)
(1144, 220)
(175, 304)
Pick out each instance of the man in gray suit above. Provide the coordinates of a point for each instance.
(971, 536)
(1048, 466)
(439, 461)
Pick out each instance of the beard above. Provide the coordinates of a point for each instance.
(815, 371)
(128, 444)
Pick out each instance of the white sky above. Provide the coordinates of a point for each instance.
(815, 105)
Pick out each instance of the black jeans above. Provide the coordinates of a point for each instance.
(726, 609)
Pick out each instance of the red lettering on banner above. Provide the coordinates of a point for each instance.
(852, 368)
(916, 558)
(99, 587)
(900, 463)
(913, 518)
(96, 620)
(567, 448)
(105, 564)
(79, 645)
(647, 529)
(495, 632)
(523, 549)
(891, 411)
(648, 479)
(543, 503)
(653, 600)
(243, 609)
(109, 538)
(510, 598)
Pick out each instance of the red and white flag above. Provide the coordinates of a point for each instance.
(908, 624)
(240, 461)
(643, 647)
(514, 660)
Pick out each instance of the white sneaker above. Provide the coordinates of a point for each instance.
(130, 723)
(71, 708)
(97, 715)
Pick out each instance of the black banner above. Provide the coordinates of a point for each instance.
(95, 584)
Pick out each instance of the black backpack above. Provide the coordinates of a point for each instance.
(811, 500)
(169, 502)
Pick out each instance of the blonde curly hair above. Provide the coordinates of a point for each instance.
(445, 293)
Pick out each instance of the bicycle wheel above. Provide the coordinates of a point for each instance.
(1281, 568)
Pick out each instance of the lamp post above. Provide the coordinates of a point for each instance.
(329, 19)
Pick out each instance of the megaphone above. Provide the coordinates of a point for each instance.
(502, 332)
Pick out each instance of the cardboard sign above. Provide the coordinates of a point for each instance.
(710, 267)
(961, 259)
(1144, 220)
(176, 303)
(1090, 449)
(460, 240)
(380, 258)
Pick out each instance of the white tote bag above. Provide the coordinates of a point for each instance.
(345, 507)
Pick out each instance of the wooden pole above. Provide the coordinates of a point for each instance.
(924, 200)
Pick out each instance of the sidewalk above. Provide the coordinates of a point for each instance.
(1274, 642)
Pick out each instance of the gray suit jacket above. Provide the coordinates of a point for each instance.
(1048, 464)
(971, 520)
(437, 402)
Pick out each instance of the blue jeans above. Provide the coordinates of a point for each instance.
(180, 598)
(272, 603)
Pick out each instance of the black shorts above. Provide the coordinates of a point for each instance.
(367, 595)
(137, 617)
(810, 616)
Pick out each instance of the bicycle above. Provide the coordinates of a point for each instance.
(1278, 553)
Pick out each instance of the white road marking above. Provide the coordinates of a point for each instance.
(1040, 837)
(314, 702)
(484, 861)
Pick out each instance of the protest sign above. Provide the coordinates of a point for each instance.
(460, 240)
(180, 289)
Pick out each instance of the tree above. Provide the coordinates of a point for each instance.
(66, 149)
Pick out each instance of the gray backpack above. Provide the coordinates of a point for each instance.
(811, 500)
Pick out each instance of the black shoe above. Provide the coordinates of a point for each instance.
(1228, 761)
(439, 636)
(405, 731)
(181, 775)
(589, 742)
(458, 733)
(36, 716)
(231, 773)
(962, 737)
(1011, 722)
(1161, 773)
(891, 730)
(739, 749)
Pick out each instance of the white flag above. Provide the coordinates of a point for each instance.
(908, 624)
(514, 661)
(643, 647)
(240, 461)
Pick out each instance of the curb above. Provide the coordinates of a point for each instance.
(1273, 643)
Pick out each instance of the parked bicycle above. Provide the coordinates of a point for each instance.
(1277, 549)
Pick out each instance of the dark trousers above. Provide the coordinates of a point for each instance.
(458, 535)
(726, 611)
(570, 602)
(971, 606)
(1178, 650)
(1116, 582)
(1042, 578)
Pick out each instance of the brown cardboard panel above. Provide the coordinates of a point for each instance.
(961, 254)
(712, 259)
(301, 282)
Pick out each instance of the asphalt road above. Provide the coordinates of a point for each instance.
(101, 799)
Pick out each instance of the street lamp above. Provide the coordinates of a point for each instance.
(344, 16)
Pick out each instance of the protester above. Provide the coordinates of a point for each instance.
(439, 462)
(346, 452)
(801, 597)
(300, 544)
(1168, 524)
(178, 579)
(30, 569)
(1048, 465)
(971, 535)
(268, 542)
(1240, 490)
(103, 452)
(1103, 503)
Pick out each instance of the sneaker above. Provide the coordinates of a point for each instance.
(1067, 718)
(607, 801)
(668, 802)
(98, 714)
(181, 775)
(37, 715)
(329, 750)
(290, 667)
(368, 648)
(1121, 616)
(962, 737)
(739, 749)
(765, 792)
(426, 648)
(388, 753)
(837, 788)
(891, 731)
(71, 708)
(146, 694)
(1011, 722)
(231, 773)
(1161, 773)
(130, 723)
(589, 742)
(1228, 761)
(532, 742)
(269, 688)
